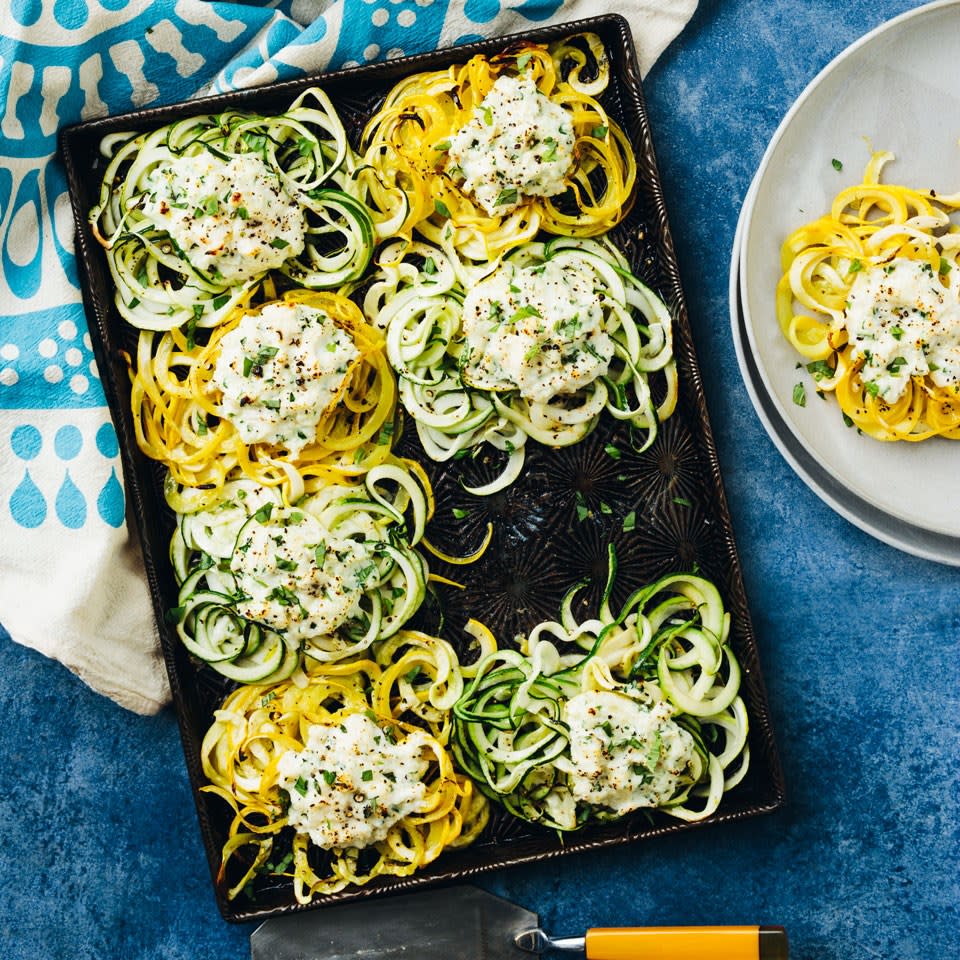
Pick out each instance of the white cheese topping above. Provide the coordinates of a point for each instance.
(280, 369)
(536, 329)
(517, 144)
(904, 322)
(625, 754)
(296, 576)
(232, 217)
(351, 783)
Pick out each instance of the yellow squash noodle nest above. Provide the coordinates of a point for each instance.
(179, 420)
(257, 725)
(403, 147)
(869, 226)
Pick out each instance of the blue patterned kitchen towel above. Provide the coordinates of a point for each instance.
(71, 582)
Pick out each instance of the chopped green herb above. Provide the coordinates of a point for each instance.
(278, 243)
(896, 332)
(441, 208)
(283, 564)
(523, 312)
(263, 514)
(366, 776)
(242, 213)
(509, 195)
(330, 777)
(945, 267)
(799, 395)
(837, 165)
(459, 513)
(820, 369)
(583, 511)
(682, 502)
(522, 61)
(855, 266)
(600, 132)
(442, 146)
(412, 673)
(301, 786)
(630, 521)
(612, 451)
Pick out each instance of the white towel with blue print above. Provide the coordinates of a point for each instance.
(71, 581)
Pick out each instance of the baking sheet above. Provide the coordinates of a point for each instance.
(551, 528)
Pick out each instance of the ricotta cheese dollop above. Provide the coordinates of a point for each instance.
(625, 754)
(296, 576)
(518, 143)
(280, 369)
(904, 321)
(351, 783)
(537, 329)
(232, 218)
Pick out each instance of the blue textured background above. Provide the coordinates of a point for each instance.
(102, 855)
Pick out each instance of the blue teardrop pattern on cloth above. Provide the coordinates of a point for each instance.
(27, 505)
(65, 476)
(110, 502)
(71, 504)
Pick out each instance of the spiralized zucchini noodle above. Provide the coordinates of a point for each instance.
(645, 713)
(536, 346)
(182, 420)
(870, 298)
(261, 756)
(194, 214)
(417, 169)
(264, 584)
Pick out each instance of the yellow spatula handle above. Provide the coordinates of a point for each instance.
(687, 943)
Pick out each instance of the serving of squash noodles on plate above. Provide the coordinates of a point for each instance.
(870, 298)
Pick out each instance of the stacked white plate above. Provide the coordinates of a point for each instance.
(896, 89)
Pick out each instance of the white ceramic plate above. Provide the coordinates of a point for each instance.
(939, 547)
(898, 89)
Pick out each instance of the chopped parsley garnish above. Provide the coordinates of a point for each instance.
(630, 521)
(820, 369)
(855, 266)
(612, 451)
(522, 61)
(583, 511)
(301, 786)
(523, 312)
(509, 195)
(945, 267)
(799, 395)
(441, 208)
(278, 243)
(600, 131)
(329, 777)
(459, 513)
(682, 502)
(896, 332)
(263, 514)
(366, 776)
(836, 164)
(283, 564)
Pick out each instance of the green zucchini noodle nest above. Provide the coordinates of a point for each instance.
(644, 714)
(264, 584)
(195, 214)
(536, 345)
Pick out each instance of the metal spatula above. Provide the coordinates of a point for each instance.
(466, 923)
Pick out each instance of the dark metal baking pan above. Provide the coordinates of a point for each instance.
(551, 528)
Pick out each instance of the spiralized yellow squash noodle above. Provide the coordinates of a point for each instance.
(409, 696)
(870, 298)
(180, 420)
(405, 146)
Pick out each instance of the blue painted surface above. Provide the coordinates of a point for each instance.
(102, 855)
